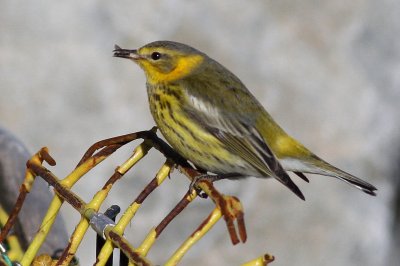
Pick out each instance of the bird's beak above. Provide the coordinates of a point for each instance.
(125, 53)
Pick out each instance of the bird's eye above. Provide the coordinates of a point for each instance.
(155, 56)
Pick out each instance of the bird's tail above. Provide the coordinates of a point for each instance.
(315, 165)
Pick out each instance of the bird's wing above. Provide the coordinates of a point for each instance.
(233, 123)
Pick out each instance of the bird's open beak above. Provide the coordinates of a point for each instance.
(125, 53)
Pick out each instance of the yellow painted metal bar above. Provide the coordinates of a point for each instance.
(130, 212)
(210, 221)
(41, 235)
(56, 203)
(80, 230)
(148, 242)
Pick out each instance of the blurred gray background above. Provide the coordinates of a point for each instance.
(328, 71)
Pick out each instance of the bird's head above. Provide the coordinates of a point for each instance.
(164, 61)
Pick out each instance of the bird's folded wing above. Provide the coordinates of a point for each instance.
(240, 136)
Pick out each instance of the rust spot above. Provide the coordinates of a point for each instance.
(172, 214)
(232, 231)
(242, 227)
(108, 150)
(119, 141)
(47, 157)
(114, 178)
(14, 213)
(231, 211)
(52, 181)
(268, 258)
(203, 223)
(146, 191)
(65, 257)
(132, 255)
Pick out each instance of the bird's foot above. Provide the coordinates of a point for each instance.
(197, 179)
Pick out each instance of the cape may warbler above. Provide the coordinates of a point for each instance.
(209, 116)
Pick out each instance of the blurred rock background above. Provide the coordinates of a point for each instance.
(328, 71)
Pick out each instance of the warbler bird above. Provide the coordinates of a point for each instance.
(210, 118)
